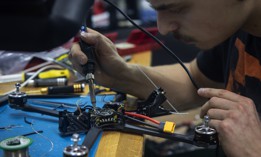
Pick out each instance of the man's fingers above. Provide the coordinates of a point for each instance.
(213, 123)
(216, 103)
(220, 93)
(92, 31)
(76, 55)
(217, 114)
(94, 37)
(90, 38)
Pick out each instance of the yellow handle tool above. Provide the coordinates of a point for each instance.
(55, 74)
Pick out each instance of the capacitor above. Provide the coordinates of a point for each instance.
(205, 134)
(16, 146)
(75, 150)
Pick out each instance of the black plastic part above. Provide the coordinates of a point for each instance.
(142, 130)
(49, 82)
(152, 105)
(39, 25)
(30, 108)
(74, 122)
(54, 96)
(91, 137)
(119, 97)
(175, 137)
(64, 89)
(206, 138)
(89, 51)
(4, 98)
(32, 133)
(17, 99)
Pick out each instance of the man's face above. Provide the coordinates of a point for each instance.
(203, 23)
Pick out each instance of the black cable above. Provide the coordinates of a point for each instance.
(32, 133)
(217, 150)
(141, 122)
(158, 41)
(27, 122)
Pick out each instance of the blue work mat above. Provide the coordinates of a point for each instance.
(49, 125)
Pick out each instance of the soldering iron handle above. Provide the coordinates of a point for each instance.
(89, 51)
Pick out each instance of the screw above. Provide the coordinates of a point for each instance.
(75, 138)
(206, 121)
(17, 86)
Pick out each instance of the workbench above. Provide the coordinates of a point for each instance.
(108, 144)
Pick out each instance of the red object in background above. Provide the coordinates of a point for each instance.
(138, 37)
(98, 7)
(141, 41)
(34, 62)
(112, 36)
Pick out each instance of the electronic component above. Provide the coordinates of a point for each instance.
(55, 104)
(17, 98)
(168, 127)
(105, 117)
(75, 150)
(152, 105)
(205, 134)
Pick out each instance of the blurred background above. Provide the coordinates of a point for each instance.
(111, 23)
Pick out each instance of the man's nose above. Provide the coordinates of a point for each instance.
(165, 25)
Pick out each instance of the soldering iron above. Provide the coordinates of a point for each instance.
(89, 67)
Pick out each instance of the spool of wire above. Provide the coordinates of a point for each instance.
(16, 146)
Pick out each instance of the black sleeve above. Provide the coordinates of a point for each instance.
(211, 62)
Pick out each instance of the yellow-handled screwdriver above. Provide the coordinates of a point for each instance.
(76, 88)
(65, 73)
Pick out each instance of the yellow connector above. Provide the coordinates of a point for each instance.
(169, 127)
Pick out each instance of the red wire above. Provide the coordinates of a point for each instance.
(142, 116)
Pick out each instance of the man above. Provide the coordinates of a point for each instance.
(229, 31)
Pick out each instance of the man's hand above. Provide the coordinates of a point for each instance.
(236, 120)
(109, 67)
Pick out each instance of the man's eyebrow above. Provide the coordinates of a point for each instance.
(165, 6)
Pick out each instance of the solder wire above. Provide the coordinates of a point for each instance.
(150, 80)
(45, 137)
